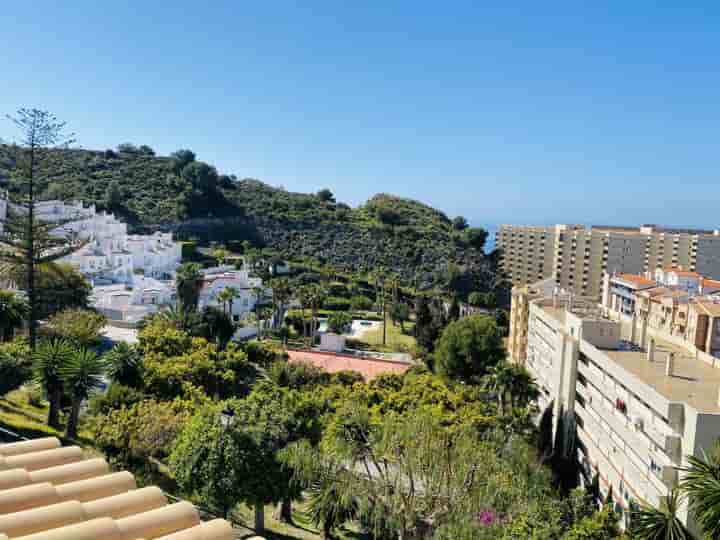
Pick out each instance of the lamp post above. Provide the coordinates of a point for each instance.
(227, 418)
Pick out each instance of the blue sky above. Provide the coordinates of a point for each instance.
(518, 112)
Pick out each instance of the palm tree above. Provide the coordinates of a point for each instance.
(188, 282)
(81, 375)
(304, 298)
(13, 311)
(317, 295)
(702, 486)
(649, 523)
(125, 365)
(48, 361)
(513, 382)
(281, 294)
(226, 297)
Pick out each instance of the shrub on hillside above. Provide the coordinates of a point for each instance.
(334, 303)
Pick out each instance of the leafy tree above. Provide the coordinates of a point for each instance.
(188, 281)
(649, 523)
(701, 484)
(339, 322)
(429, 322)
(454, 309)
(58, 285)
(217, 326)
(113, 196)
(118, 396)
(388, 216)
(360, 303)
(180, 159)
(125, 365)
(201, 176)
(142, 429)
(325, 195)
(602, 525)
(13, 311)
(297, 375)
(145, 150)
(220, 254)
(127, 148)
(475, 237)
(28, 243)
(400, 313)
(460, 223)
(240, 463)
(469, 347)
(78, 326)
(15, 365)
(48, 362)
(81, 374)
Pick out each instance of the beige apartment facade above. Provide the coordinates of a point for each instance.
(639, 411)
(577, 256)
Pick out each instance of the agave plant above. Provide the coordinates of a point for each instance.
(649, 523)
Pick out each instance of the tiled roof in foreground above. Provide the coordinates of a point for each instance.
(49, 492)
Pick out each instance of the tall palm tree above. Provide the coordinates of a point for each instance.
(188, 282)
(303, 295)
(317, 296)
(48, 361)
(701, 484)
(13, 311)
(649, 523)
(281, 294)
(81, 375)
(226, 297)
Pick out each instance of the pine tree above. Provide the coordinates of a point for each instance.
(25, 242)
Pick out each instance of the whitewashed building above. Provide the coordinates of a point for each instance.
(110, 254)
(250, 290)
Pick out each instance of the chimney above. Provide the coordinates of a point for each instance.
(670, 364)
(651, 350)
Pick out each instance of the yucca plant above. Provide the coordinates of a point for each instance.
(81, 375)
(702, 486)
(124, 363)
(649, 523)
(48, 360)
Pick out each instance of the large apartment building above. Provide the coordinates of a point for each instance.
(642, 401)
(577, 257)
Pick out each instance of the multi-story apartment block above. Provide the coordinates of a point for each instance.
(640, 408)
(577, 257)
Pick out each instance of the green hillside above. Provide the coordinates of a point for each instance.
(191, 198)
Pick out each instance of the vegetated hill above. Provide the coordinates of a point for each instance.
(189, 197)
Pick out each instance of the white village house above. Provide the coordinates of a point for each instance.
(215, 280)
(131, 274)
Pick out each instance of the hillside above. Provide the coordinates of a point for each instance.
(189, 197)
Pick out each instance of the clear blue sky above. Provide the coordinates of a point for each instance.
(523, 112)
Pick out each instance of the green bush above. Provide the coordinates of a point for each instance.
(360, 303)
(117, 397)
(334, 303)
